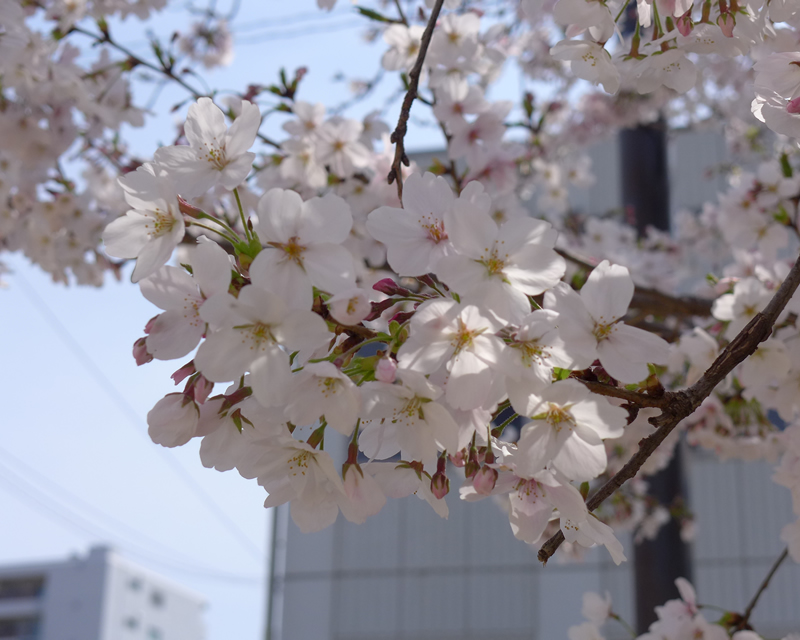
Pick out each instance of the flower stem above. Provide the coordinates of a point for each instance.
(233, 241)
(248, 236)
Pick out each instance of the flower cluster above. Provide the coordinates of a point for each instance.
(479, 322)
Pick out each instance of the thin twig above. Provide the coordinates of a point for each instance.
(399, 134)
(107, 39)
(400, 12)
(680, 404)
(745, 619)
(634, 397)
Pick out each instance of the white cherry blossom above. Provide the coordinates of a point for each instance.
(217, 154)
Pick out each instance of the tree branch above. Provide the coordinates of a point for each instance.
(399, 134)
(745, 619)
(634, 397)
(680, 404)
(652, 300)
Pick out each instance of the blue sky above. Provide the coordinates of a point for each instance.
(76, 465)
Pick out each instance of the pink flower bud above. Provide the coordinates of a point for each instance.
(188, 209)
(459, 458)
(793, 106)
(201, 389)
(149, 326)
(390, 288)
(402, 316)
(140, 353)
(386, 370)
(184, 372)
(377, 308)
(485, 480)
(684, 23)
(440, 485)
(726, 23)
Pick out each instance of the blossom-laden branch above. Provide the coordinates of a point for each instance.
(680, 404)
(399, 134)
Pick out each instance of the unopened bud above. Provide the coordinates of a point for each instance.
(726, 23)
(485, 480)
(402, 317)
(149, 326)
(189, 209)
(684, 23)
(459, 458)
(201, 389)
(184, 372)
(440, 485)
(386, 370)
(390, 288)
(377, 308)
(140, 353)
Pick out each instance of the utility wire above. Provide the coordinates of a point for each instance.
(134, 420)
(76, 504)
(37, 499)
(289, 35)
(290, 20)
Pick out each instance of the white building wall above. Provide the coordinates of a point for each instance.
(104, 597)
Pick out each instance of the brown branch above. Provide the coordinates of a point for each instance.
(651, 300)
(399, 134)
(661, 303)
(680, 404)
(634, 397)
(745, 619)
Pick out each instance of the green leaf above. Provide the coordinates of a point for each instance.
(373, 15)
(785, 166)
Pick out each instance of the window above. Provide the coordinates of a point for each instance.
(16, 628)
(131, 622)
(157, 599)
(155, 634)
(134, 584)
(21, 587)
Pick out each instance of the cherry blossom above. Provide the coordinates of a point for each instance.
(216, 154)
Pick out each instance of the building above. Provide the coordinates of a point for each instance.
(100, 596)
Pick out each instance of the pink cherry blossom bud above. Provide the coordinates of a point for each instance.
(386, 370)
(793, 106)
(726, 23)
(440, 485)
(684, 23)
(485, 480)
(390, 288)
(149, 326)
(402, 316)
(184, 372)
(350, 307)
(377, 308)
(188, 209)
(459, 459)
(201, 389)
(140, 353)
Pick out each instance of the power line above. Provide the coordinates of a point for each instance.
(290, 20)
(65, 497)
(135, 421)
(289, 35)
(37, 499)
